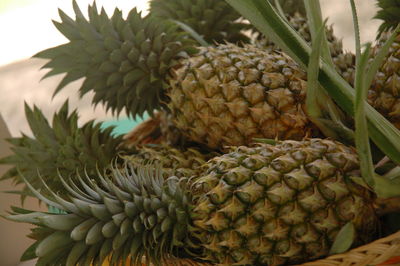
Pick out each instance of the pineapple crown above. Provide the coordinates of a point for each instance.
(130, 214)
(61, 148)
(123, 61)
(215, 21)
(389, 11)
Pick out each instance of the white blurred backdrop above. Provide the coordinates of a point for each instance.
(27, 29)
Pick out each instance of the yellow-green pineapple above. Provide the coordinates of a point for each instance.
(218, 96)
(228, 95)
(263, 205)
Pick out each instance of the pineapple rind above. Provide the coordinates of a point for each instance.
(232, 213)
(228, 95)
(285, 205)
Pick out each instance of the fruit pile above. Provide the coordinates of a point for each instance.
(247, 159)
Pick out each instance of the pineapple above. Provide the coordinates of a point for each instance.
(217, 96)
(384, 94)
(268, 205)
(202, 17)
(63, 148)
(228, 95)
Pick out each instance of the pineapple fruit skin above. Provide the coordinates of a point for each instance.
(384, 94)
(272, 205)
(227, 95)
(263, 205)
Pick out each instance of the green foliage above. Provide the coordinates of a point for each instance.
(131, 213)
(292, 6)
(344, 239)
(214, 20)
(60, 148)
(389, 11)
(124, 61)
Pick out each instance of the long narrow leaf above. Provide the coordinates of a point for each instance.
(314, 91)
(356, 31)
(361, 127)
(312, 76)
(262, 15)
(315, 22)
(393, 174)
(386, 188)
(192, 32)
(279, 8)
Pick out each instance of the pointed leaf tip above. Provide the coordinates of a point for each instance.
(344, 239)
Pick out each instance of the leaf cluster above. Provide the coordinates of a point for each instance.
(62, 148)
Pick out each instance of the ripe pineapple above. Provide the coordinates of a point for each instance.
(223, 95)
(269, 205)
(384, 94)
(228, 95)
(218, 22)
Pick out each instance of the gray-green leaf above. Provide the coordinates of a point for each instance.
(344, 239)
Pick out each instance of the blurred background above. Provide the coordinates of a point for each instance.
(26, 28)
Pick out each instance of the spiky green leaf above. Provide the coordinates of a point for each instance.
(107, 50)
(61, 147)
(86, 237)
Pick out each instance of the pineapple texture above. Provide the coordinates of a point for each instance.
(273, 205)
(228, 95)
